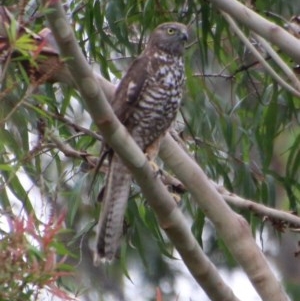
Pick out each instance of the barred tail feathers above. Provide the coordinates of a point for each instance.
(110, 226)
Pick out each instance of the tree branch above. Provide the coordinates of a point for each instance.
(270, 31)
(277, 216)
(279, 61)
(260, 58)
(231, 227)
(170, 217)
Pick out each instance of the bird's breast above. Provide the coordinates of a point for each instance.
(158, 103)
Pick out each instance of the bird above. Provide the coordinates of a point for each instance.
(146, 101)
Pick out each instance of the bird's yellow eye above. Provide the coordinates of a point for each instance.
(171, 31)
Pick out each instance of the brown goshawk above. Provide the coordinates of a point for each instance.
(146, 102)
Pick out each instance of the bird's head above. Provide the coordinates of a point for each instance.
(169, 37)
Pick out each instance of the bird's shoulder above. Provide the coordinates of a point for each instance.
(132, 84)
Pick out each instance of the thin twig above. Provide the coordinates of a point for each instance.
(15, 108)
(293, 221)
(213, 75)
(68, 122)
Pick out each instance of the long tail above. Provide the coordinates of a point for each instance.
(110, 226)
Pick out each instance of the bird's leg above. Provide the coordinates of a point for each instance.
(151, 153)
(156, 169)
(176, 197)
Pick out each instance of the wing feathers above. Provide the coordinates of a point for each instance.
(130, 87)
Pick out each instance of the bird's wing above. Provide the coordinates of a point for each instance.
(126, 96)
(118, 180)
(130, 88)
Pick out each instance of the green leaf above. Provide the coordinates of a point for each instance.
(17, 189)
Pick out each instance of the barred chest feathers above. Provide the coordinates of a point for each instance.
(159, 100)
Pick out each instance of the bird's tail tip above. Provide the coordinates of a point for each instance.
(98, 259)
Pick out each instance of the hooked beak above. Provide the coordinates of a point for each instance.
(184, 35)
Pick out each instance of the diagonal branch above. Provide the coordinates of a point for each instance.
(261, 59)
(170, 217)
(270, 31)
(231, 227)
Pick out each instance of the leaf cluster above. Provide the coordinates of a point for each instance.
(28, 257)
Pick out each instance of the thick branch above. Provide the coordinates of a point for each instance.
(231, 227)
(270, 31)
(261, 59)
(170, 217)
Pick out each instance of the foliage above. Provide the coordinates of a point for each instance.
(240, 125)
(28, 257)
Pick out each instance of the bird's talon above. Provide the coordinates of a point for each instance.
(176, 198)
(154, 167)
